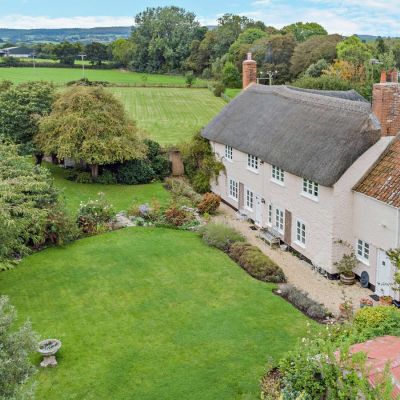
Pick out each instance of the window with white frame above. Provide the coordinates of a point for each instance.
(310, 188)
(228, 153)
(278, 174)
(363, 251)
(249, 199)
(269, 214)
(233, 189)
(300, 232)
(252, 162)
(279, 220)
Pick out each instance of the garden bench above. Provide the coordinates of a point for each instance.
(270, 236)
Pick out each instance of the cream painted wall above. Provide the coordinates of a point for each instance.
(327, 220)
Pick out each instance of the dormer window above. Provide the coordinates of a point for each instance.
(310, 189)
(252, 162)
(228, 153)
(277, 175)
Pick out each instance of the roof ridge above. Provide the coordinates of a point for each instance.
(320, 99)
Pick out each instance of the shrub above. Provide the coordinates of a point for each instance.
(190, 78)
(220, 236)
(134, 172)
(16, 346)
(219, 88)
(60, 227)
(180, 188)
(301, 301)
(71, 174)
(158, 159)
(177, 216)
(94, 216)
(256, 263)
(146, 212)
(200, 163)
(84, 177)
(209, 204)
(106, 178)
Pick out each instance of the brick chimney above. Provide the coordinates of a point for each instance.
(386, 103)
(249, 71)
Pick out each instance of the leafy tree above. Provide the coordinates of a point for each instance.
(243, 43)
(96, 52)
(303, 31)
(231, 76)
(381, 47)
(315, 70)
(27, 198)
(201, 52)
(67, 52)
(312, 50)
(122, 51)
(274, 54)
(90, 124)
(352, 49)
(162, 38)
(21, 107)
(16, 346)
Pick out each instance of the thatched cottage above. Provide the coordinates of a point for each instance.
(302, 163)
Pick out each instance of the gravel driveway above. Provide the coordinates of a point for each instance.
(298, 272)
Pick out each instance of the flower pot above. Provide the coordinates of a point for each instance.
(345, 310)
(347, 279)
(385, 300)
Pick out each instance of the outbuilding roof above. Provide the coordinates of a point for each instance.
(313, 134)
(383, 181)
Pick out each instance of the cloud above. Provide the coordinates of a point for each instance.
(41, 22)
(346, 17)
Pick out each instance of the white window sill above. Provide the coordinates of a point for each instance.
(300, 244)
(309, 197)
(248, 208)
(363, 260)
(278, 230)
(233, 198)
(228, 159)
(280, 183)
(254, 171)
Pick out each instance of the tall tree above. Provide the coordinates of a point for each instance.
(21, 107)
(96, 52)
(90, 124)
(352, 49)
(303, 31)
(122, 51)
(312, 50)
(67, 52)
(162, 38)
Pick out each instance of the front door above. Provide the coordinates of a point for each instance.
(384, 275)
(258, 210)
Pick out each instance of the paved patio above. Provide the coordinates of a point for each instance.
(298, 272)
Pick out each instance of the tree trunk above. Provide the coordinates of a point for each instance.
(54, 159)
(94, 168)
(39, 159)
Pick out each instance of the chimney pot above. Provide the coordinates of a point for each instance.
(249, 71)
(383, 77)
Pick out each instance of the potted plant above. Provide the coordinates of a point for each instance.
(345, 268)
(346, 310)
(385, 300)
(366, 302)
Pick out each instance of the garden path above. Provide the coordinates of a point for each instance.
(298, 272)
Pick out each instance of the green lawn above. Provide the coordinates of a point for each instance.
(232, 93)
(64, 75)
(150, 313)
(170, 115)
(121, 196)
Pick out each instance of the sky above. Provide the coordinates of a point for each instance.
(376, 17)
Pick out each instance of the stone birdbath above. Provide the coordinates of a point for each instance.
(48, 349)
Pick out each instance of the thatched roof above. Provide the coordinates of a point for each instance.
(312, 134)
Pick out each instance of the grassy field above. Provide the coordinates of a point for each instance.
(150, 313)
(64, 75)
(120, 196)
(170, 115)
(232, 93)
